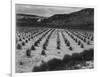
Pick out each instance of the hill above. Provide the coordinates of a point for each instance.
(83, 19)
(23, 20)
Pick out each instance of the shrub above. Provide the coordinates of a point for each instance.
(92, 39)
(84, 40)
(20, 39)
(44, 46)
(88, 54)
(26, 41)
(43, 52)
(23, 38)
(58, 44)
(21, 63)
(79, 42)
(55, 64)
(23, 43)
(75, 40)
(88, 42)
(58, 52)
(76, 57)
(67, 58)
(32, 47)
(82, 46)
(28, 53)
(29, 39)
(36, 44)
(42, 67)
(19, 46)
(58, 47)
(68, 44)
(70, 48)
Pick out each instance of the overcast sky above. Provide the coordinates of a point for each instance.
(46, 11)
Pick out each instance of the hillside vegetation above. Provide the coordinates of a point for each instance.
(83, 19)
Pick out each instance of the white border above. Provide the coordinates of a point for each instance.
(13, 38)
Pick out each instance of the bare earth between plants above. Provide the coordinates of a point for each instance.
(50, 49)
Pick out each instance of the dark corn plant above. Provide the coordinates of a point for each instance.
(88, 42)
(68, 44)
(70, 48)
(26, 41)
(82, 46)
(19, 46)
(23, 43)
(28, 53)
(79, 42)
(32, 47)
(43, 52)
(36, 44)
(20, 39)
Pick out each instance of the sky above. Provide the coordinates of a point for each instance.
(45, 11)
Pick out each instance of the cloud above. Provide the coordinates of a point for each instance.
(44, 10)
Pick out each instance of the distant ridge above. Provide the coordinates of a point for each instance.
(83, 19)
(82, 12)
